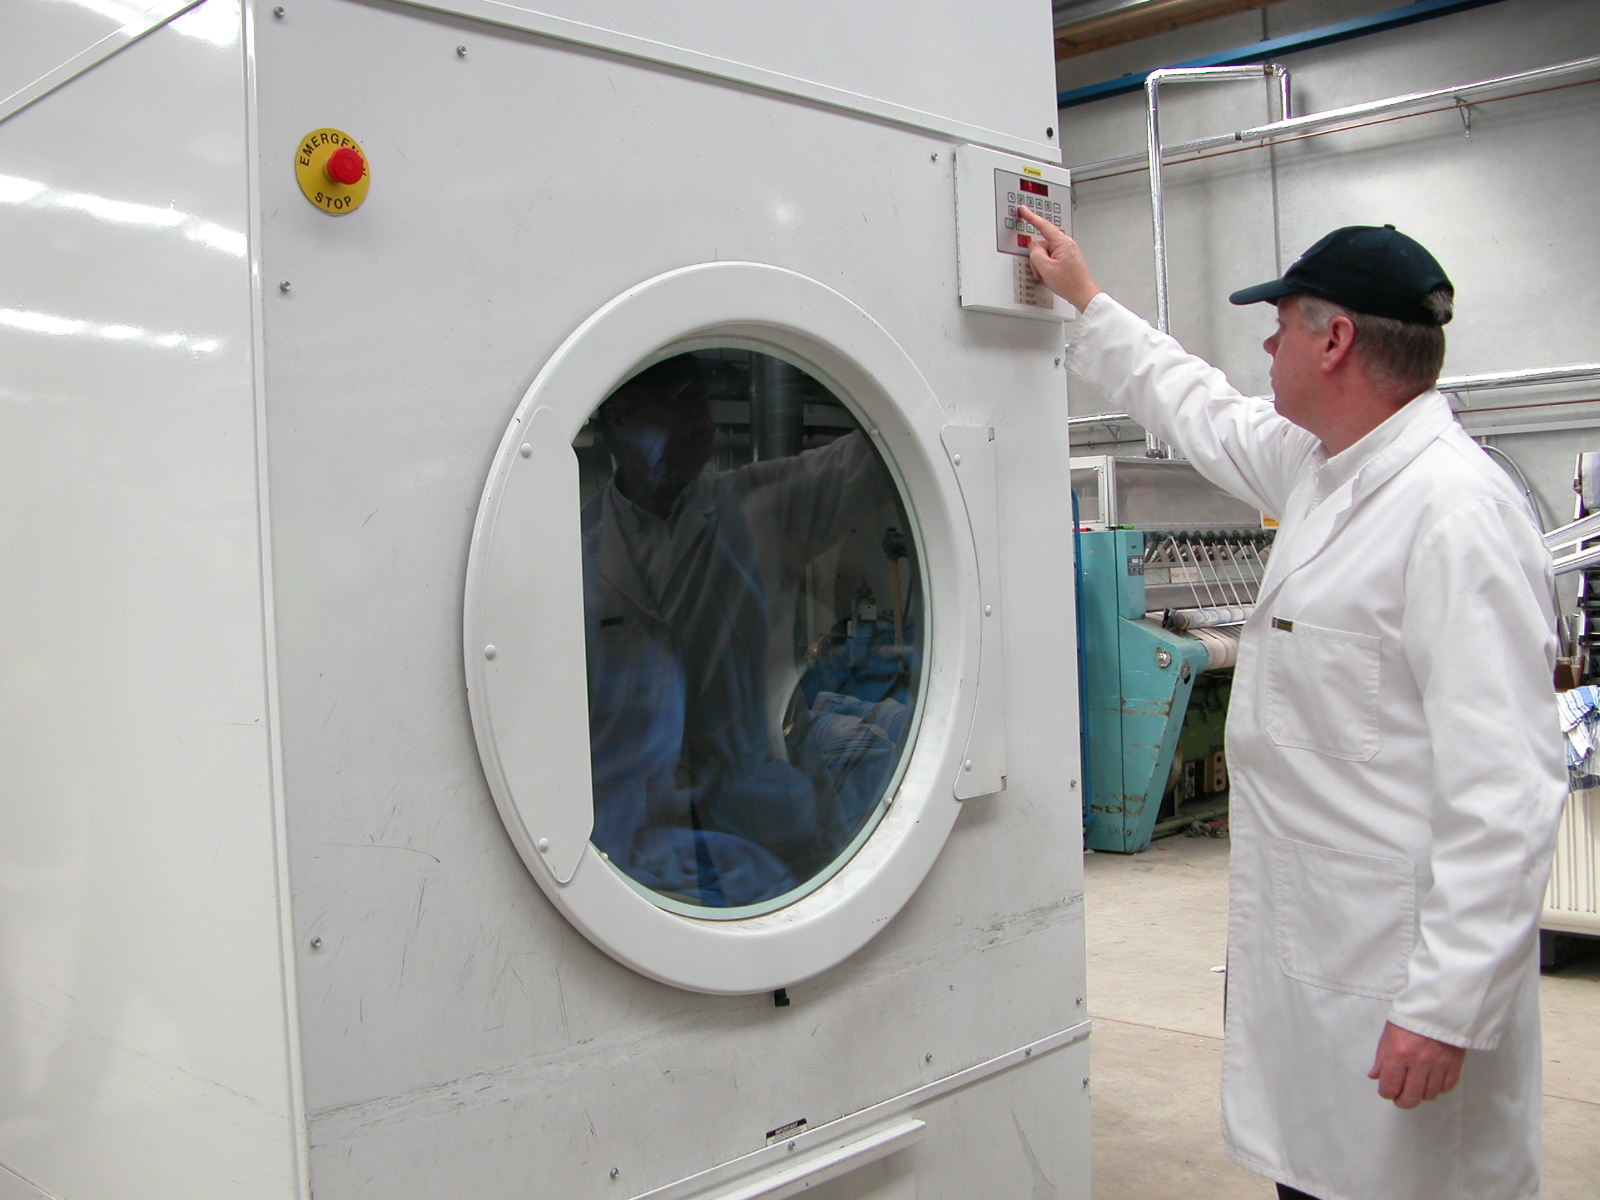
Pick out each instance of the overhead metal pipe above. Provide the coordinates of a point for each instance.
(1449, 384)
(1494, 380)
(1259, 51)
(1295, 126)
(1154, 447)
(1102, 418)
(1521, 477)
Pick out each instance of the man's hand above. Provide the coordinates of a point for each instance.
(1411, 1068)
(1057, 260)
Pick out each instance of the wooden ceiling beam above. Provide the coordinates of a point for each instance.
(1113, 29)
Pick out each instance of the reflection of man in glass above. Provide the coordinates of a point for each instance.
(691, 579)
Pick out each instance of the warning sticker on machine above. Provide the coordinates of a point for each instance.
(786, 1131)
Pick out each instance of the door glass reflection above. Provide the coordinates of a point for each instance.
(754, 620)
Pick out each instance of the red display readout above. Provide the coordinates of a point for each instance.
(1031, 185)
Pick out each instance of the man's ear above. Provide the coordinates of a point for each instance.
(1338, 342)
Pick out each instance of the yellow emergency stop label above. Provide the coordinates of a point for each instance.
(323, 179)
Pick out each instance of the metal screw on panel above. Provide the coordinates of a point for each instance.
(934, 157)
(1028, 1053)
(1058, 362)
(927, 1058)
(278, 12)
(316, 943)
(1163, 658)
(544, 845)
(527, 450)
(988, 610)
(791, 1145)
(967, 766)
(1050, 131)
(615, 1172)
(1080, 999)
(1085, 1081)
(488, 651)
(956, 458)
(1074, 783)
(461, 52)
(283, 285)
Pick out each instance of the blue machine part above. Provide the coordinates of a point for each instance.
(1138, 678)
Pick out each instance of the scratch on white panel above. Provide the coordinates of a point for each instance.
(416, 924)
(676, 1040)
(1043, 1189)
(380, 846)
(1033, 920)
(561, 997)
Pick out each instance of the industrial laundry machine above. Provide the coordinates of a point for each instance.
(1169, 567)
(545, 663)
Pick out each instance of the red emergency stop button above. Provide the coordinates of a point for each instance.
(331, 169)
(346, 166)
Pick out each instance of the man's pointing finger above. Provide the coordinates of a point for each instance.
(1052, 234)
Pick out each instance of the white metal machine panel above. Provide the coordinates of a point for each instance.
(144, 1041)
(531, 607)
(994, 239)
(461, 1036)
(983, 766)
(410, 331)
(41, 36)
(978, 72)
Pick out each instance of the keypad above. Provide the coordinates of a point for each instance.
(1013, 233)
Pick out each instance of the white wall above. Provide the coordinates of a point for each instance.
(1508, 211)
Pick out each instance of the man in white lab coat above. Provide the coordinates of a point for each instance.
(1392, 740)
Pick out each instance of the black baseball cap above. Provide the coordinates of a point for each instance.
(1365, 268)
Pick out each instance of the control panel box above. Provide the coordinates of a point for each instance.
(993, 238)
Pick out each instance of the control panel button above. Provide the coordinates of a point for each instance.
(1013, 191)
(345, 165)
(332, 171)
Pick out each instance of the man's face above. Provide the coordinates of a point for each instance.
(660, 445)
(1297, 376)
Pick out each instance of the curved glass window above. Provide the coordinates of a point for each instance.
(754, 616)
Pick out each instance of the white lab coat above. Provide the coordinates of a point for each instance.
(1397, 778)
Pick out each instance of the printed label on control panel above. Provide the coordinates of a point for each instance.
(1014, 234)
(1027, 288)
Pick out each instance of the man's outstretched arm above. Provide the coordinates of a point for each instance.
(1238, 442)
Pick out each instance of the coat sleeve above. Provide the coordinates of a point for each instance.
(1238, 442)
(1478, 635)
(812, 499)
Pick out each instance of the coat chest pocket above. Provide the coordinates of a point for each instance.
(1322, 689)
(1344, 921)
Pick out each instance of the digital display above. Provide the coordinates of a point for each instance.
(1034, 186)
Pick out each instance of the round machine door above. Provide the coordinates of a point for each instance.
(723, 630)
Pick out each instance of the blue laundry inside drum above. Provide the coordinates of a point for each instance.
(754, 629)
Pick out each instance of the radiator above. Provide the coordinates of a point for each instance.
(1572, 901)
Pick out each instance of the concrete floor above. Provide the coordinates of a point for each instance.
(1157, 925)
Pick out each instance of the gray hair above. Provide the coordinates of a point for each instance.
(1406, 354)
